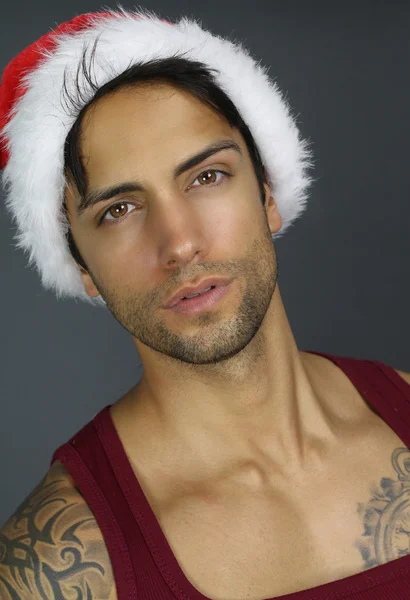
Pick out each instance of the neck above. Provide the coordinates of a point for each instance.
(263, 401)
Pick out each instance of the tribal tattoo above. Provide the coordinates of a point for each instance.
(386, 517)
(52, 549)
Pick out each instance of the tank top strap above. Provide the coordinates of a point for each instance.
(381, 387)
(84, 458)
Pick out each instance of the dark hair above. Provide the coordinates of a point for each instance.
(191, 76)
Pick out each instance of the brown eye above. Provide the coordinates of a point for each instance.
(116, 211)
(209, 177)
(204, 177)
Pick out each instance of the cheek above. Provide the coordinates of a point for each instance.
(236, 219)
(226, 230)
(106, 261)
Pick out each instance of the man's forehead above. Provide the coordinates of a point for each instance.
(149, 111)
(145, 95)
(161, 141)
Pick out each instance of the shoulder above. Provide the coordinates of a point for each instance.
(52, 547)
(404, 375)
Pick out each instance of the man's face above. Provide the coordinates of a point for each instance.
(176, 229)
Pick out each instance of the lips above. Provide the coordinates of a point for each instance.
(196, 289)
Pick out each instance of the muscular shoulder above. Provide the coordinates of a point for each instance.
(52, 547)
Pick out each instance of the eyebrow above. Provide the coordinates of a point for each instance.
(94, 197)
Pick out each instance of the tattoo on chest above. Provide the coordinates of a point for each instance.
(41, 553)
(386, 517)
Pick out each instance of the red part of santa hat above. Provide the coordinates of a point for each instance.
(12, 85)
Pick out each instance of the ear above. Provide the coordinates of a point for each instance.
(88, 283)
(271, 208)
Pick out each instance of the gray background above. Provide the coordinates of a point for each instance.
(344, 266)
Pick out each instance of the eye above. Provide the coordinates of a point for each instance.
(204, 174)
(114, 219)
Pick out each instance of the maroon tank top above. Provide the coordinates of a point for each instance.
(143, 563)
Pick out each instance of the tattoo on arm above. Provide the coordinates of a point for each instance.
(386, 517)
(52, 549)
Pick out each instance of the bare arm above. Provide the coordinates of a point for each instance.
(51, 548)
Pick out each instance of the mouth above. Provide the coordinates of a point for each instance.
(195, 290)
(203, 301)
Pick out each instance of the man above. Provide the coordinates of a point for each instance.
(235, 467)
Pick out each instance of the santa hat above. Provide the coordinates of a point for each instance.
(34, 122)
